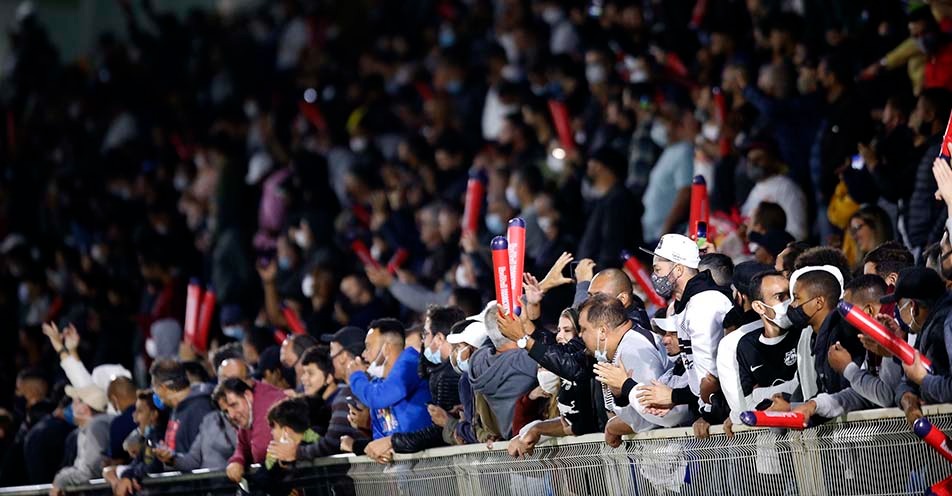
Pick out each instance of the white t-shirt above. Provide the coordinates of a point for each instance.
(783, 191)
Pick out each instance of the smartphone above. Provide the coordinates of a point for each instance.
(354, 402)
(569, 270)
(857, 162)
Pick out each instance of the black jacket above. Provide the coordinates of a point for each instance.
(924, 211)
(444, 390)
(834, 329)
(613, 225)
(572, 363)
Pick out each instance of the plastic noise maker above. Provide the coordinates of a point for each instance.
(360, 249)
(870, 327)
(292, 319)
(946, 140)
(786, 420)
(933, 437)
(516, 236)
(193, 301)
(475, 192)
(700, 208)
(397, 260)
(205, 314)
(563, 125)
(641, 276)
(500, 249)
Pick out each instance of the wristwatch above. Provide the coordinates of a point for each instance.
(523, 342)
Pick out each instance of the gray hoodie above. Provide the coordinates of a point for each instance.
(502, 378)
(215, 442)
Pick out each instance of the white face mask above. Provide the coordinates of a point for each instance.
(780, 315)
(659, 134)
(548, 381)
(307, 286)
(375, 369)
(301, 239)
(601, 356)
(462, 277)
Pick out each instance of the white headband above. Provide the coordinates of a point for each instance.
(835, 272)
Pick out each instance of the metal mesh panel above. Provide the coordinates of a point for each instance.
(875, 453)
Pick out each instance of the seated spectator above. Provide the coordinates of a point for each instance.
(89, 414)
(870, 227)
(765, 169)
(270, 370)
(246, 406)
(924, 306)
(122, 396)
(386, 381)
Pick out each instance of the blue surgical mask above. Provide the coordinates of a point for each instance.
(434, 357)
(495, 224)
(284, 263)
(68, 415)
(157, 401)
(462, 365)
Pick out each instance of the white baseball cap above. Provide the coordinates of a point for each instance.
(677, 248)
(474, 335)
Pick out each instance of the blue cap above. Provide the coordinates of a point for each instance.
(499, 243)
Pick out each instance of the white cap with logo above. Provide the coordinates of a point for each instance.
(677, 248)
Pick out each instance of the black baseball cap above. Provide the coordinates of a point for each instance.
(774, 240)
(744, 272)
(269, 359)
(350, 338)
(918, 283)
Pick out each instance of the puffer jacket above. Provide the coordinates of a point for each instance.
(444, 389)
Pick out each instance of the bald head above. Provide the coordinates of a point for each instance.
(613, 283)
(233, 368)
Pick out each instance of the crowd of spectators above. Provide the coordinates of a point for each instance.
(251, 149)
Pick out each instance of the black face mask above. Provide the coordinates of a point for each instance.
(798, 317)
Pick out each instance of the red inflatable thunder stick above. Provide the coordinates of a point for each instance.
(563, 126)
(944, 151)
(193, 303)
(700, 210)
(397, 260)
(475, 191)
(294, 322)
(360, 249)
(500, 249)
(516, 236)
(641, 276)
(870, 327)
(761, 418)
(933, 437)
(205, 320)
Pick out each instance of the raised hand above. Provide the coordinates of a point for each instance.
(555, 277)
(532, 288)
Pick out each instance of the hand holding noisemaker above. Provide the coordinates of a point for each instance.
(933, 437)
(762, 418)
(700, 210)
(642, 278)
(193, 303)
(870, 327)
(516, 236)
(500, 249)
(475, 191)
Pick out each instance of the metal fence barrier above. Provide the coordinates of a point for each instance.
(872, 452)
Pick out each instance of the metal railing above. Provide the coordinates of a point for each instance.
(872, 452)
